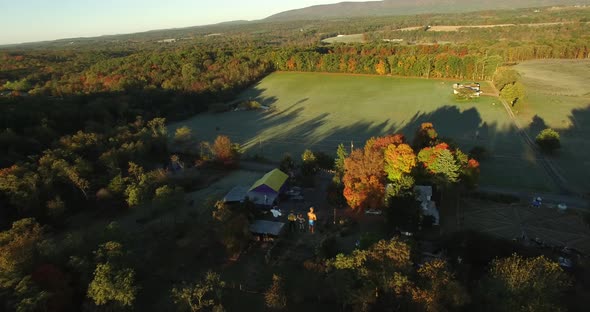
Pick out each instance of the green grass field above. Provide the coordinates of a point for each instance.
(346, 39)
(558, 96)
(320, 111)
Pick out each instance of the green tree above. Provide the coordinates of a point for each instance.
(548, 140)
(112, 285)
(287, 164)
(524, 284)
(309, 164)
(201, 295)
(505, 76)
(341, 155)
(440, 162)
(29, 298)
(436, 289)
(21, 186)
(183, 135)
(18, 246)
(275, 297)
(376, 273)
(513, 92)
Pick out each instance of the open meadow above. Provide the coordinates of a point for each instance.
(320, 111)
(557, 96)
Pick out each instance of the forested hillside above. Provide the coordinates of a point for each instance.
(407, 7)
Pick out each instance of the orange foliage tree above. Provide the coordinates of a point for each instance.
(381, 143)
(224, 151)
(364, 178)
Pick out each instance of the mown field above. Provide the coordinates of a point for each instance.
(346, 39)
(558, 96)
(320, 111)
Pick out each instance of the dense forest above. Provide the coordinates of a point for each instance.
(83, 131)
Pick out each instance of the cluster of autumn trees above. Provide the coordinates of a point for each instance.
(47, 263)
(389, 275)
(85, 167)
(38, 272)
(389, 166)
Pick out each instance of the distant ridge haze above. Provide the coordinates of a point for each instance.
(409, 7)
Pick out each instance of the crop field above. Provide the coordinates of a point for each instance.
(320, 111)
(558, 97)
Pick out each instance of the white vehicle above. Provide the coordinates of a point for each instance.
(374, 212)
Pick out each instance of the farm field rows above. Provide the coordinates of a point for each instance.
(320, 111)
(558, 97)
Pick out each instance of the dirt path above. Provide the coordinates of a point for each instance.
(557, 178)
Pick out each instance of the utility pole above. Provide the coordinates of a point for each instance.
(351, 146)
(334, 215)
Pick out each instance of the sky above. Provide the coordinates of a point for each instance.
(37, 20)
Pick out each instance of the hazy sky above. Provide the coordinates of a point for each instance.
(35, 20)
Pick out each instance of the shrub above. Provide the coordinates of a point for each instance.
(250, 105)
(548, 140)
(479, 153)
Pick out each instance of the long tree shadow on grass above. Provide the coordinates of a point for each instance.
(513, 163)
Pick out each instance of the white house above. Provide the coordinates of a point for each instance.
(424, 196)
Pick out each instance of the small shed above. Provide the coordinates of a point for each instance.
(263, 228)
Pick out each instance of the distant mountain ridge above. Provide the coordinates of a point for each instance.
(410, 7)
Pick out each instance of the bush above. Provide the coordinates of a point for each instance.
(548, 140)
(479, 153)
(250, 105)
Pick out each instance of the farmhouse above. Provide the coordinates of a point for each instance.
(474, 87)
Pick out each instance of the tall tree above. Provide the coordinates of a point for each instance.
(524, 284)
(202, 295)
(364, 178)
(275, 297)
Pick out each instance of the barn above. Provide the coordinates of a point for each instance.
(263, 192)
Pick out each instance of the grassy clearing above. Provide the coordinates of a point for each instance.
(558, 97)
(320, 111)
(458, 27)
(346, 39)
